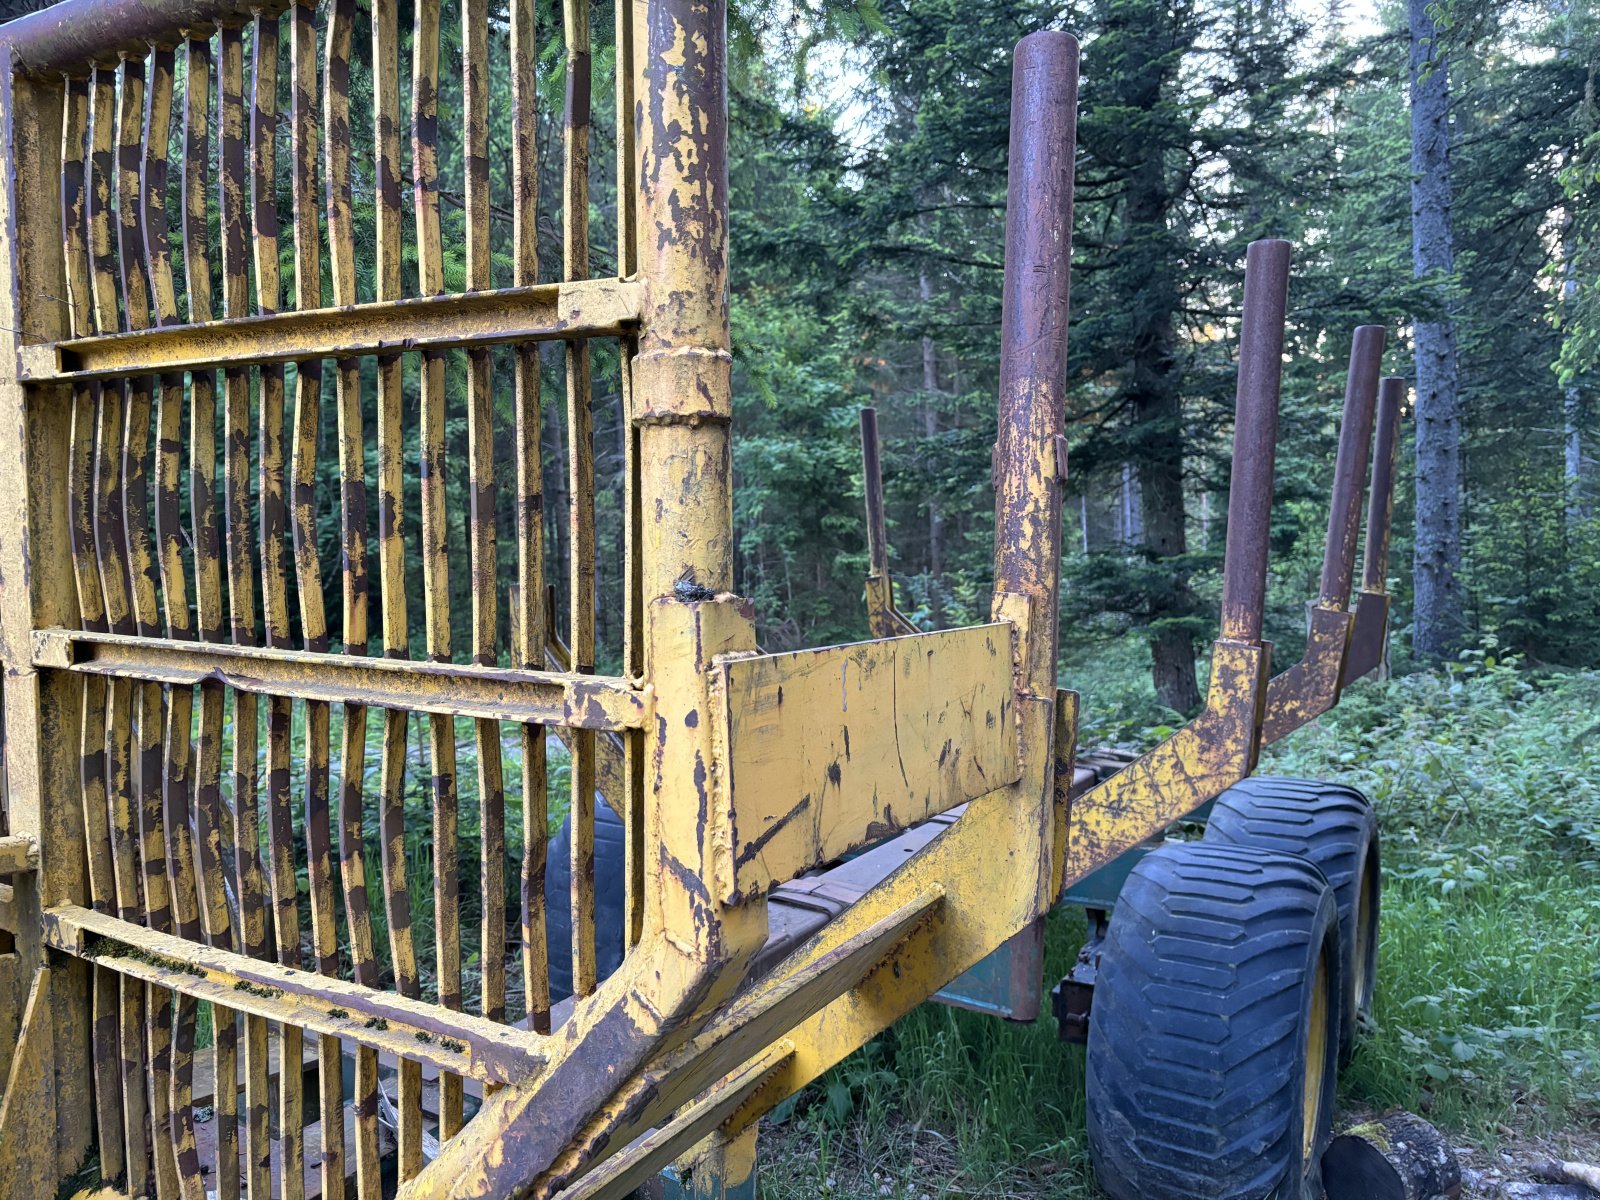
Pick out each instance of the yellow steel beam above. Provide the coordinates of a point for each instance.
(386, 1021)
(645, 1157)
(18, 852)
(587, 308)
(1311, 687)
(829, 750)
(490, 693)
(796, 990)
(989, 866)
(1204, 758)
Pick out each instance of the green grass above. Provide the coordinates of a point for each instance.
(1487, 782)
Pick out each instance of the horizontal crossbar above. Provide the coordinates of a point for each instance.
(70, 37)
(583, 308)
(454, 689)
(18, 853)
(462, 1043)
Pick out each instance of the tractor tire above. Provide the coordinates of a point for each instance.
(1213, 1040)
(1333, 827)
(610, 876)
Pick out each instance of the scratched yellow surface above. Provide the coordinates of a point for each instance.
(831, 749)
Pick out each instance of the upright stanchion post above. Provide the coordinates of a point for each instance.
(1311, 686)
(1350, 468)
(1030, 451)
(1369, 639)
(1255, 438)
(1030, 463)
(1219, 747)
(1380, 501)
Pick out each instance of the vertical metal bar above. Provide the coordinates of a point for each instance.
(1030, 450)
(631, 800)
(241, 601)
(177, 771)
(391, 555)
(481, 482)
(308, 578)
(136, 298)
(435, 536)
(275, 593)
(109, 537)
(872, 479)
(91, 605)
(1380, 501)
(102, 248)
(1255, 439)
(580, 457)
(528, 616)
(208, 604)
(1350, 467)
(353, 619)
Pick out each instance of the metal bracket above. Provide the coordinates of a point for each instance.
(1072, 998)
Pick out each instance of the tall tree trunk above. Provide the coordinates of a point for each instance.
(1571, 410)
(1132, 527)
(1160, 478)
(1157, 474)
(930, 430)
(1439, 619)
(1571, 397)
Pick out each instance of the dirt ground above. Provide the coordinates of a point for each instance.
(911, 1163)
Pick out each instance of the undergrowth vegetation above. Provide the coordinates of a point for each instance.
(1486, 777)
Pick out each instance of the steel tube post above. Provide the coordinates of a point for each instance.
(683, 406)
(1030, 451)
(1350, 469)
(1380, 504)
(683, 371)
(872, 486)
(1255, 439)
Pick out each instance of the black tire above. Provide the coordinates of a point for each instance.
(610, 875)
(1205, 1019)
(1334, 827)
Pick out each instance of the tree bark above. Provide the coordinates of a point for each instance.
(930, 430)
(1439, 620)
(1158, 474)
(1160, 478)
(1401, 1157)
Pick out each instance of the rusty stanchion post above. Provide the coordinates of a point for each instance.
(1350, 468)
(1255, 438)
(1030, 451)
(1380, 503)
(872, 486)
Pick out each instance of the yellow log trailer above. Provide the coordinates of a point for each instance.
(208, 987)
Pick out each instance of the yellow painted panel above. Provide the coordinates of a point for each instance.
(831, 749)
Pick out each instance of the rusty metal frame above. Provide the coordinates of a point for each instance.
(152, 892)
(546, 312)
(565, 699)
(1343, 645)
